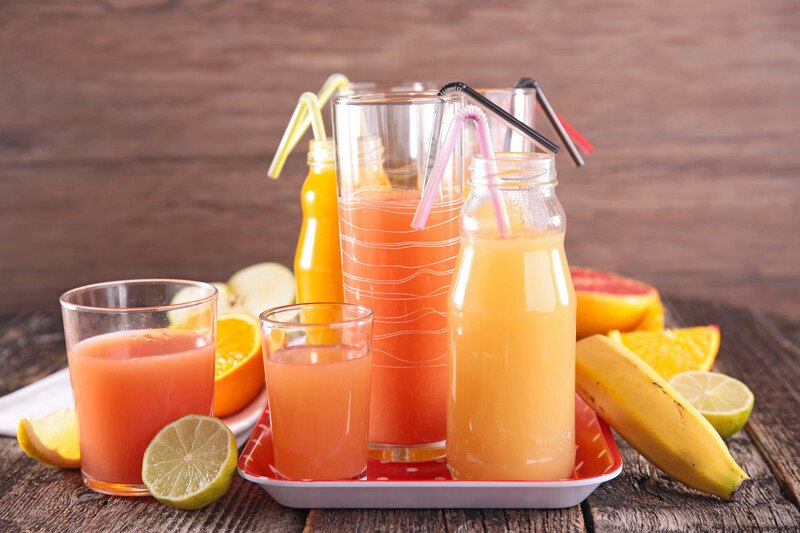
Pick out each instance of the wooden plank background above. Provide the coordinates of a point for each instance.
(135, 134)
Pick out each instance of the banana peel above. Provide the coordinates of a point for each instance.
(653, 417)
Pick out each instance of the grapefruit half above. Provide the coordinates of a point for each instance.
(608, 301)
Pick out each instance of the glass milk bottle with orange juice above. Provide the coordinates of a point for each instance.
(511, 322)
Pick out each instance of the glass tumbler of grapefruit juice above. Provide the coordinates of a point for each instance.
(317, 362)
(138, 360)
(383, 148)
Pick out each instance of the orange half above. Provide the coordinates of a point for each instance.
(239, 366)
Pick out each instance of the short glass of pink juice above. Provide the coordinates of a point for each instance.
(137, 362)
(317, 360)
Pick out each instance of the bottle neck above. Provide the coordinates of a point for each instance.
(522, 184)
(321, 155)
(514, 170)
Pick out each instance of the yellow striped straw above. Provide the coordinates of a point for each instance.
(308, 112)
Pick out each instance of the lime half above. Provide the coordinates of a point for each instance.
(724, 401)
(191, 462)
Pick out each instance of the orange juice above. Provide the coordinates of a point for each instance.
(317, 261)
(403, 275)
(512, 356)
(319, 403)
(127, 386)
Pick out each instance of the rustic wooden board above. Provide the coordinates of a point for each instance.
(644, 499)
(445, 520)
(31, 347)
(135, 134)
(205, 219)
(755, 351)
(759, 348)
(662, 504)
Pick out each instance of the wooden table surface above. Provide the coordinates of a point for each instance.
(760, 349)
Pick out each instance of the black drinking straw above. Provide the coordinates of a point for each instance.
(505, 116)
(530, 83)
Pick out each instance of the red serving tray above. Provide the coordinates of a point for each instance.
(429, 484)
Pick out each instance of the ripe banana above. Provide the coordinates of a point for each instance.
(653, 417)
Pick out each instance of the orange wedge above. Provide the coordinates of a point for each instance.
(239, 365)
(673, 351)
(52, 439)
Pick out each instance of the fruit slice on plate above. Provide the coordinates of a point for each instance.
(653, 417)
(184, 317)
(724, 401)
(190, 462)
(673, 351)
(607, 301)
(52, 439)
(262, 286)
(239, 366)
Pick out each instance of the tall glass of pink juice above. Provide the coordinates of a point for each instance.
(383, 144)
(317, 362)
(137, 362)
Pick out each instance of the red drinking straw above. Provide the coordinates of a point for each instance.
(476, 114)
(582, 142)
(565, 131)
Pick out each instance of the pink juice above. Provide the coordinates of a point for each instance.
(319, 409)
(127, 386)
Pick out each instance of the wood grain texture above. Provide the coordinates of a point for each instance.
(755, 351)
(445, 520)
(644, 499)
(758, 348)
(135, 134)
(31, 347)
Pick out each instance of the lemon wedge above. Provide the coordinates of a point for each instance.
(52, 439)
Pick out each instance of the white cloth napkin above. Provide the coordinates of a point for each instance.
(53, 392)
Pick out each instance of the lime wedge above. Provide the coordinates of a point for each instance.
(190, 462)
(724, 401)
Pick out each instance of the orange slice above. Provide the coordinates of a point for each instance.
(673, 351)
(239, 370)
(52, 439)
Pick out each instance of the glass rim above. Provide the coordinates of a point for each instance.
(421, 97)
(402, 85)
(513, 169)
(506, 90)
(366, 314)
(508, 157)
(65, 304)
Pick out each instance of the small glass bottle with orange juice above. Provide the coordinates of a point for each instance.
(511, 323)
(317, 261)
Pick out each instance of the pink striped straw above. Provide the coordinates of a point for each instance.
(477, 115)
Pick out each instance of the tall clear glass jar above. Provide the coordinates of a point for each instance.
(511, 321)
(401, 273)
